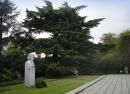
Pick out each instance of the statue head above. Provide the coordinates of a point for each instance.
(31, 57)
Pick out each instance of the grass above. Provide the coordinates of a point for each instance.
(55, 86)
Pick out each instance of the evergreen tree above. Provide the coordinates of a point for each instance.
(8, 16)
(69, 42)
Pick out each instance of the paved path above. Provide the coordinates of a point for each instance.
(111, 84)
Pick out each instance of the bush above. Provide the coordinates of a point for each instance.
(7, 75)
(40, 83)
(58, 71)
(40, 67)
(53, 71)
(90, 71)
(3, 84)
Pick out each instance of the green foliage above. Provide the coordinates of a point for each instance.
(109, 39)
(40, 66)
(56, 71)
(124, 45)
(13, 66)
(40, 83)
(11, 56)
(108, 62)
(124, 48)
(90, 71)
(103, 48)
(9, 83)
(69, 41)
(16, 58)
(108, 57)
(7, 75)
(8, 21)
(53, 71)
(114, 60)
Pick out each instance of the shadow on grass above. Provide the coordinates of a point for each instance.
(4, 89)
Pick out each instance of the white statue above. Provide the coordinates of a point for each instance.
(30, 71)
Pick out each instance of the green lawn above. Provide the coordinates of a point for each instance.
(55, 86)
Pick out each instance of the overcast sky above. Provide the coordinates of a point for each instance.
(116, 12)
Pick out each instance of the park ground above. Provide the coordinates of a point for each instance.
(55, 86)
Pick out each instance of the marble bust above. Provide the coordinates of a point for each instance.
(30, 71)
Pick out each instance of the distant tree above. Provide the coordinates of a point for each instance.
(111, 61)
(124, 47)
(69, 42)
(109, 39)
(104, 48)
(107, 56)
(109, 42)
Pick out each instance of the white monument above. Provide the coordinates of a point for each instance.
(30, 71)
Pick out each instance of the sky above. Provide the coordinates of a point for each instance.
(116, 12)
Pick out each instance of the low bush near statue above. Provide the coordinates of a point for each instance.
(40, 83)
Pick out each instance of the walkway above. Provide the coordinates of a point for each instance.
(111, 84)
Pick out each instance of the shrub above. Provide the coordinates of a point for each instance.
(7, 75)
(53, 71)
(57, 71)
(40, 83)
(3, 84)
(40, 67)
